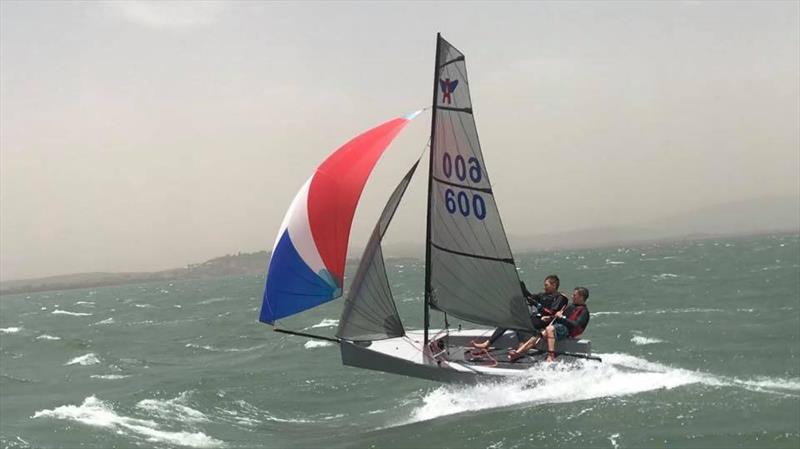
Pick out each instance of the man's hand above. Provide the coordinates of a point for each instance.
(560, 314)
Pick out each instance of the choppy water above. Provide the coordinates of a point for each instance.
(711, 327)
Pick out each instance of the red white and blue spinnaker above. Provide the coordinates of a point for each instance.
(307, 264)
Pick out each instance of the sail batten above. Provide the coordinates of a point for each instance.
(476, 256)
(465, 186)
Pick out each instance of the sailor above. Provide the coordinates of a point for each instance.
(569, 322)
(543, 307)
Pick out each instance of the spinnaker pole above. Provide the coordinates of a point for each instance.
(428, 292)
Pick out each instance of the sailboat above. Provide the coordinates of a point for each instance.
(470, 271)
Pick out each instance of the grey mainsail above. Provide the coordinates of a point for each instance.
(472, 274)
(369, 311)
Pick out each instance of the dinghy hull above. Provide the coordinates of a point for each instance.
(404, 356)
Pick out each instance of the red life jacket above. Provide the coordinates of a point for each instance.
(573, 316)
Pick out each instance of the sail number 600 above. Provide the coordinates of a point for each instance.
(461, 202)
(474, 171)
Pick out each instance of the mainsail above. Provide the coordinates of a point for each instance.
(307, 264)
(369, 311)
(471, 271)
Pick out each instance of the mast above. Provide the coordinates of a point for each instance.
(428, 289)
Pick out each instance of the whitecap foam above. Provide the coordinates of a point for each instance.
(769, 385)
(613, 439)
(313, 344)
(66, 312)
(641, 340)
(213, 300)
(110, 376)
(94, 412)
(327, 322)
(84, 360)
(614, 262)
(143, 306)
(664, 311)
(664, 276)
(586, 380)
(10, 330)
(214, 349)
(174, 409)
(85, 303)
(47, 337)
(105, 321)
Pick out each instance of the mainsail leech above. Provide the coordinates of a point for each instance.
(306, 268)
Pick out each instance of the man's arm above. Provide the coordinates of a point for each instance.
(580, 322)
(558, 305)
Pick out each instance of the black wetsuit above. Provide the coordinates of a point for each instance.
(542, 304)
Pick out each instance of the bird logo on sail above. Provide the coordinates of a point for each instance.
(448, 87)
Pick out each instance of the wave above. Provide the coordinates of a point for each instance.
(253, 411)
(13, 379)
(10, 330)
(174, 409)
(664, 276)
(84, 360)
(47, 337)
(313, 344)
(110, 376)
(641, 340)
(97, 413)
(618, 375)
(327, 322)
(105, 321)
(769, 385)
(667, 311)
(586, 380)
(213, 300)
(85, 303)
(65, 312)
(213, 349)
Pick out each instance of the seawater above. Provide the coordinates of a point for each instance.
(700, 343)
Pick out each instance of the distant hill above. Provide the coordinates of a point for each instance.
(753, 216)
(739, 217)
(775, 214)
(238, 264)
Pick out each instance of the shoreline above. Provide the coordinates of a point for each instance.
(254, 264)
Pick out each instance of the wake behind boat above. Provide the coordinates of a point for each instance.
(470, 272)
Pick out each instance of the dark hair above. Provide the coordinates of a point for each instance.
(554, 278)
(583, 291)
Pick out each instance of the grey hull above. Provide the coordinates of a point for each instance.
(361, 357)
(456, 364)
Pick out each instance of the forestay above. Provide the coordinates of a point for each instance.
(472, 270)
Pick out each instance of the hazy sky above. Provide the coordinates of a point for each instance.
(141, 136)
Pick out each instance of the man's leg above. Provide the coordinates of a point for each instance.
(530, 343)
(551, 343)
(495, 336)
